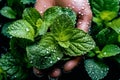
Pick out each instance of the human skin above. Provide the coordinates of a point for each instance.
(84, 17)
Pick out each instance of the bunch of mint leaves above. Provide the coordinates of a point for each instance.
(47, 39)
(43, 41)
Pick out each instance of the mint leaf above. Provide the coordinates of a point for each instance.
(108, 15)
(4, 29)
(80, 43)
(51, 14)
(28, 1)
(41, 28)
(45, 53)
(96, 69)
(115, 25)
(104, 9)
(62, 28)
(12, 66)
(76, 42)
(21, 29)
(31, 15)
(44, 47)
(106, 36)
(8, 12)
(109, 50)
(64, 44)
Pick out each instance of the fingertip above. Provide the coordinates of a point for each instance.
(55, 73)
(69, 65)
(37, 72)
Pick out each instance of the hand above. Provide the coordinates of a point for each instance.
(84, 16)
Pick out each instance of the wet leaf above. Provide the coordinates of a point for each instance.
(21, 29)
(80, 43)
(109, 50)
(45, 53)
(51, 14)
(12, 67)
(62, 28)
(31, 15)
(104, 9)
(115, 25)
(96, 69)
(8, 12)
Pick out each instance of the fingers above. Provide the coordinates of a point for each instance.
(68, 66)
(56, 72)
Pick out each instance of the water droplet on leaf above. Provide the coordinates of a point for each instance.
(27, 29)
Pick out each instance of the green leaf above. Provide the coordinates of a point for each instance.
(106, 36)
(118, 38)
(63, 44)
(28, 1)
(12, 67)
(21, 29)
(108, 15)
(76, 42)
(4, 29)
(8, 12)
(3, 75)
(62, 28)
(1, 71)
(40, 28)
(31, 15)
(109, 50)
(51, 14)
(80, 43)
(115, 25)
(45, 53)
(91, 54)
(105, 9)
(96, 69)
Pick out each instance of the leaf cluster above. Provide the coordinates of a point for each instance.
(45, 40)
(105, 32)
